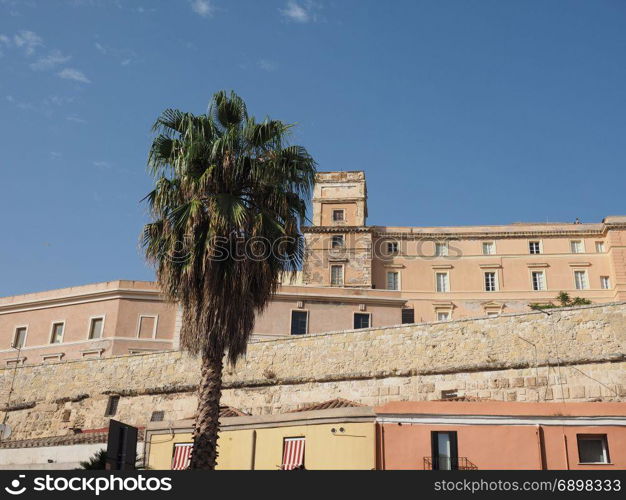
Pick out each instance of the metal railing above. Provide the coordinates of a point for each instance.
(448, 463)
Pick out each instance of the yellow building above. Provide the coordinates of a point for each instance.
(337, 434)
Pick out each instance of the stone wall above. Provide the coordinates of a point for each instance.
(572, 355)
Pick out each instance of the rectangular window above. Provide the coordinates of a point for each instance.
(336, 275)
(408, 316)
(146, 329)
(299, 322)
(293, 453)
(337, 241)
(443, 316)
(443, 284)
(444, 450)
(57, 333)
(392, 247)
(539, 281)
(338, 215)
(576, 246)
(605, 282)
(580, 279)
(19, 340)
(112, 403)
(490, 282)
(489, 248)
(361, 320)
(393, 280)
(593, 449)
(95, 328)
(600, 246)
(534, 247)
(441, 249)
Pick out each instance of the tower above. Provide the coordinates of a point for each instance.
(339, 244)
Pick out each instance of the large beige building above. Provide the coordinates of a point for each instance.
(354, 276)
(448, 273)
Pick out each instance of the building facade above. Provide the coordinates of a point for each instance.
(354, 276)
(448, 273)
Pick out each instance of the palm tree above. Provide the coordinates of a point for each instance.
(229, 198)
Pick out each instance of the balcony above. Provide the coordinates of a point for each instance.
(448, 463)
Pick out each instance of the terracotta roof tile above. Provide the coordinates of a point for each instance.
(85, 437)
(327, 405)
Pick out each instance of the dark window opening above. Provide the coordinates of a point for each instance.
(157, 416)
(444, 450)
(299, 322)
(112, 406)
(593, 449)
(361, 320)
(408, 316)
(450, 394)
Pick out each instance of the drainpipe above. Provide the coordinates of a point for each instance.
(253, 451)
(540, 447)
(381, 447)
(566, 452)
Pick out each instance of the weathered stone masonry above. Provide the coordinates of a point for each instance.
(571, 355)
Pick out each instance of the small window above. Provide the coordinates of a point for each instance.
(95, 328)
(441, 249)
(408, 316)
(492, 314)
(112, 406)
(580, 280)
(443, 284)
(338, 215)
(600, 246)
(361, 320)
(443, 316)
(336, 275)
(299, 322)
(157, 416)
(489, 248)
(393, 280)
(576, 246)
(534, 247)
(539, 280)
(57, 333)
(490, 282)
(337, 241)
(593, 449)
(605, 282)
(19, 340)
(392, 247)
(146, 329)
(449, 394)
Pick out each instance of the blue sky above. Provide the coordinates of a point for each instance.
(460, 112)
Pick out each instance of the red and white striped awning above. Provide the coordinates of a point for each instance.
(293, 453)
(182, 456)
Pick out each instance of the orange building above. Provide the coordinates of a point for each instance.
(501, 435)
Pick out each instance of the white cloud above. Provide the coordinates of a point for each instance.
(75, 119)
(101, 48)
(73, 74)
(54, 58)
(299, 12)
(55, 155)
(27, 41)
(101, 164)
(267, 65)
(203, 8)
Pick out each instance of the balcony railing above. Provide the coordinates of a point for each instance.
(448, 463)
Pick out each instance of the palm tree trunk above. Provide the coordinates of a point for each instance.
(207, 421)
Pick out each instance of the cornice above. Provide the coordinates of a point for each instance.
(82, 298)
